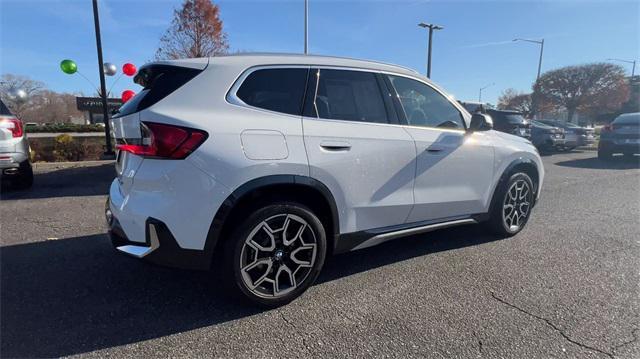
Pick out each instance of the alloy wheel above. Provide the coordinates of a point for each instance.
(517, 204)
(278, 255)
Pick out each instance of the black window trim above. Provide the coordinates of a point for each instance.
(232, 98)
(232, 95)
(400, 109)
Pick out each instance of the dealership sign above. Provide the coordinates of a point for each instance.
(94, 104)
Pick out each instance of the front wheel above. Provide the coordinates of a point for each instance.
(512, 205)
(276, 253)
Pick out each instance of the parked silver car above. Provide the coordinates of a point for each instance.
(575, 136)
(14, 150)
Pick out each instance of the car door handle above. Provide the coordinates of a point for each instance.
(335, 146)
(433, 149)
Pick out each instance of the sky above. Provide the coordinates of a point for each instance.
(475, 48)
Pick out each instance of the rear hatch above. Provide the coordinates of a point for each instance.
(158, 80)
(626, 129)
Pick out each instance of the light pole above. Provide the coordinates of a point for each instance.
(103, 87)
(633, 68)
(306, 25)
(541, 43)
(431, 27)
(482, 88)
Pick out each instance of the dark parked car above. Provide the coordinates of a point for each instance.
(511, 122)
(546, 137)
(475, 107)
(620, 136)
(574, 135)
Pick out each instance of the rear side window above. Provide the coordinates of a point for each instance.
(280, 90)
(424, 106)
(347, 95)
(158, 82)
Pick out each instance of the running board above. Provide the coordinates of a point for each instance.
(141, 251)
(381, 238)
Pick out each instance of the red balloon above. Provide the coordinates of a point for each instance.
(127, 95)
(129, 69)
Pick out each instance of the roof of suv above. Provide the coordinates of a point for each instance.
(257, 59)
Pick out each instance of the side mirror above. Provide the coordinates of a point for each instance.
(480, 122)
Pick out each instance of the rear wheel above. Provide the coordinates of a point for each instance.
(604, 154)
(512, 205)
(24, 179)
(276, 253)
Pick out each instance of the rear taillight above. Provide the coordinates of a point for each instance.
(607, 128)
(14, 125)
(165, 141)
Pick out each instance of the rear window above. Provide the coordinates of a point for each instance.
(507, 117)
(4, 110)
(628, 119)
(279, 90)
(158, 82)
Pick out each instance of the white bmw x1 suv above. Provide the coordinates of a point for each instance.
(266, 164)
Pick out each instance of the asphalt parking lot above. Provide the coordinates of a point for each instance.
(567, 286)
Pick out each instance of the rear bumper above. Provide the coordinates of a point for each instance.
(12, 159)
(618, 147)
(549, 141)
(584, 140)
(160, 246)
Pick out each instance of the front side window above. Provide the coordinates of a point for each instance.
(424, 106)
(279, 90)
(347, 95)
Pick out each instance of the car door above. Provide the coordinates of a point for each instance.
(354, 148)
(454, 168)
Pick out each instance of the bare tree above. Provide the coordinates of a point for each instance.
(196, 31)
(592, 88)
(10, 83)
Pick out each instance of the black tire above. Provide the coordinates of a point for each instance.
(604, 155)
(236, 245)
(497, 222)
(24, 179)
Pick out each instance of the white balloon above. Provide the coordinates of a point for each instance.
(110, 69)
(18, 94)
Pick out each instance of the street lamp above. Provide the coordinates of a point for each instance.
(541, 43)
(103, 88)
(306, 25)
(633, 69)
(431, 27)
(482, 88)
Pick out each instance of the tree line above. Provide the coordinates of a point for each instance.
(591, 89)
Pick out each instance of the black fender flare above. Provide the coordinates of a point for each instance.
(222, 214)
(506, 174)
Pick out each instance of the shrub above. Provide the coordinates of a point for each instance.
(65, 148)
(65, 127)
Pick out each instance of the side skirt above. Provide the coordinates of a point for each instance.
(372, 237)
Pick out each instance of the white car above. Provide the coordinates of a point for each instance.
(264, 165)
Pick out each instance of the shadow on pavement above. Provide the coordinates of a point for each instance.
(615, 163)
(77, 295)
(65, 182)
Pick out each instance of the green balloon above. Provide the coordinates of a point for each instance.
(68, 67)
